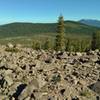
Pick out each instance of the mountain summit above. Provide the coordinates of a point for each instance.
(91, 22)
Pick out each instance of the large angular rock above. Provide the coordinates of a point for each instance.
(10, 45)
(33, 85)
(9, 80)
(41, 81)
(19, 90)
(8, 72)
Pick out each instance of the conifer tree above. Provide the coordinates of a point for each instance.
(37, 45)
(47, 44)
(67, 44)
(60, 41)
(33, 45)
(95, 41)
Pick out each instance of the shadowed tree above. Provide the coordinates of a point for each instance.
(47, 44)
(37, 45)
(95, 44)
(67, 44)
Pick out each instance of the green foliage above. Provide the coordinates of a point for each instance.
(78, 44)
(71, 44)
(60, 38)
(56, 78)
(95, 41)
(33, 45)
(85, 93)
(74, 33)
(15, 50)
(36, 45)
(67, 44)
(47, 44)
(30, 29)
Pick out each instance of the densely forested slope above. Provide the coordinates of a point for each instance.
(30, 29)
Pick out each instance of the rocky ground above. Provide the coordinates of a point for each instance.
(26, 74)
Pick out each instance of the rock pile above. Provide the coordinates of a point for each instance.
(48, 75)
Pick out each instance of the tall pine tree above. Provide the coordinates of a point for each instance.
(60, 38)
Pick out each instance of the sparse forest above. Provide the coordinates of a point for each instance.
(62, 42)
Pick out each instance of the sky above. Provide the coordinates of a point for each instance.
(38, 11)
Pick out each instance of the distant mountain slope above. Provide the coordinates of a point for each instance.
(90, 22)
(30, 29)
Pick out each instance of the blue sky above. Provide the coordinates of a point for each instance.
(47, 10)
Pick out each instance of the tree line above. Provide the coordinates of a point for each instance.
(62, 43)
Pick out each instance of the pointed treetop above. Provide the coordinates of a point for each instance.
(61, 16)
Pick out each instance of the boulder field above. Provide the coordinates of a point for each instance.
(27, 74)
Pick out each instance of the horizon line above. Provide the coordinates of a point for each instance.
(40, 22)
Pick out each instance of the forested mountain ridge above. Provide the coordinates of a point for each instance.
(30, 29)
